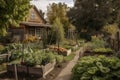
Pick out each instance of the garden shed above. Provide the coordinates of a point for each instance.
(35, 25)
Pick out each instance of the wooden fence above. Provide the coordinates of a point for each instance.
(115, 42)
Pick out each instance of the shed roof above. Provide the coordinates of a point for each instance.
(33, 24)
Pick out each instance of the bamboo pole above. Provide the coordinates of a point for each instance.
(16, 76)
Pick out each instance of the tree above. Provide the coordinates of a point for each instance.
(94, 14)
(110, 30)
(12, 12)
(57, 32)
(42, 13)
(59, 11)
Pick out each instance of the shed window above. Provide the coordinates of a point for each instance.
(32, 31)
(38, 32)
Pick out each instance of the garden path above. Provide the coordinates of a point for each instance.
(66, 73)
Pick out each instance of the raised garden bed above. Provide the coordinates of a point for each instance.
(66, 53)
(40, 71)
(61, 51)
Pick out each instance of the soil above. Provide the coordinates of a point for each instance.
(50, 76)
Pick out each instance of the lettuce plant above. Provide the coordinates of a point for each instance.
(97, 68)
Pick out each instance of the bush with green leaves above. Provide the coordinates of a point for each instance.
(97, 68)
(1, 60)
(15, 54)
(11, 47)
(47, 57)
(59, 59)
(96, 42)
(32, 57)
(1, 47)
(103, 50)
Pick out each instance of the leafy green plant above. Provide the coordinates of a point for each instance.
(32, 57)
(15, 54)
(11, 47)
(1, 60)
(59, 59)
(97, 68)
(103, 50)
(47, 57)
(70, 57)
(3, 67)
(67, 46)
(97, 42)
(1, 47)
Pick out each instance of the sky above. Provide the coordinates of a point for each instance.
(42, 4)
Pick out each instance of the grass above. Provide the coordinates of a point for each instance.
(70, 57)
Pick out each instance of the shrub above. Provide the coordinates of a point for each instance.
(1, 60)
(103, 50)
(32, 57)
(47, 57)
(16, 54)
(97, 42)
(97, 68)
(59, 59)
(1, 47)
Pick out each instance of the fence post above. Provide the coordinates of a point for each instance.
(16, 76)
(113, 44)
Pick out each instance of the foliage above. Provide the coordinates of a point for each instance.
(59, 59)
(69, 42)
(59, 11)
(57, 33)
(110, 29)
(94, 14)
(69, 57)
(103, 50)
(3, 67)
(6, 39)
(67, 46)
(97, 68)
(1, 60)
(12, 13)
(48, 57)
(30, 38)
(42, 13)
(1, 47)
(32, 57)
(97, 42)
(118, 54)
(85, 35)
(15, 54)
(11, 47)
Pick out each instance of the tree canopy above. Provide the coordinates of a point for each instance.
(94, 14)
(12, 12)
(59, 11)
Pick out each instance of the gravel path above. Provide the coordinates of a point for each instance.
(66, 73)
